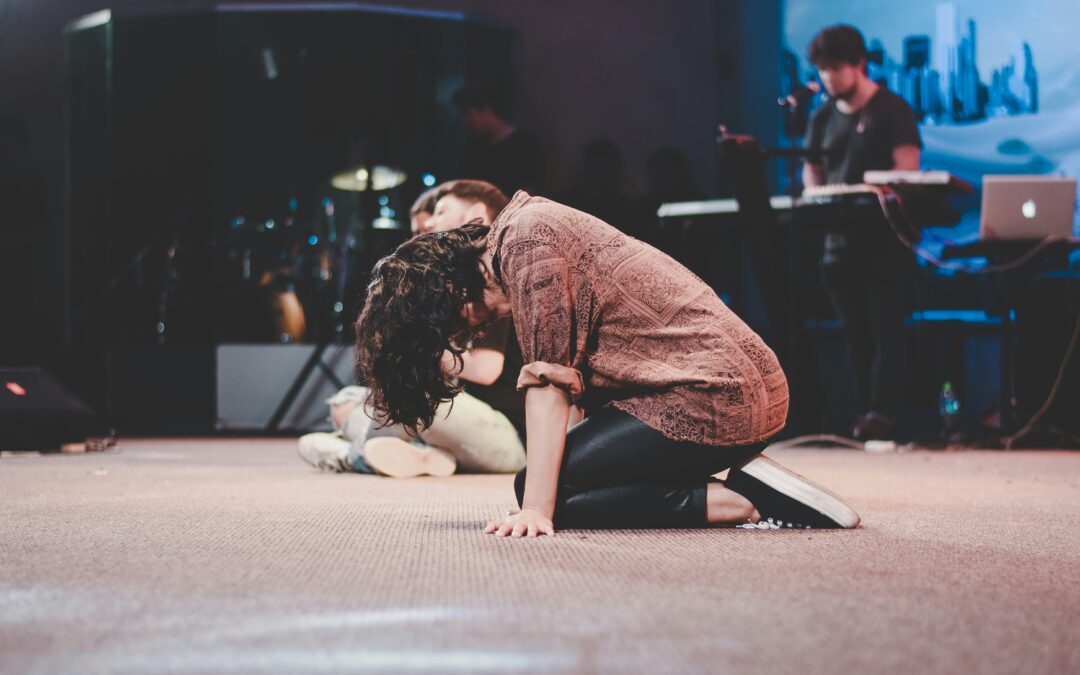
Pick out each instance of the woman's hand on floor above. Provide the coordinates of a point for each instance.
(524, 523)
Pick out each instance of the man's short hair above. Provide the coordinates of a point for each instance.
(425, 203)
(477, 96)
(475, 191)
(836, 45)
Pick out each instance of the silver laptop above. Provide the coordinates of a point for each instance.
(1027, 207)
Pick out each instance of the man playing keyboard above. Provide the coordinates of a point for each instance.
(867, 271)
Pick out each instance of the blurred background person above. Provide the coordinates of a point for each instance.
(603, 189)
(496, 150)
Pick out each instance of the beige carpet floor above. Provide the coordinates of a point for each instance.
(231, 556)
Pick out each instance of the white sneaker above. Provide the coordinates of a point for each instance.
(397, 458)
(326, 452)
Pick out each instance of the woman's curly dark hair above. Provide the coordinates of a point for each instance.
(411, 315)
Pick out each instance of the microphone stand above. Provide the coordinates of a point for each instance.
(796, 118)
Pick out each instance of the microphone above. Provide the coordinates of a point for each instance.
(799, 95)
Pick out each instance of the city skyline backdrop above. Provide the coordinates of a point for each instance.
(1002, 28)
(938, 74)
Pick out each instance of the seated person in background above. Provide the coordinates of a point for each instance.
(481, 428)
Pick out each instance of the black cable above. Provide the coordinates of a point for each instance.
(887, 195)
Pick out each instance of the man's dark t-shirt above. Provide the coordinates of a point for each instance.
(503, 394)
(853, 144)
(862, 141)
(514, 163)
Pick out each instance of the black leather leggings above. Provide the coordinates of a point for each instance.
(617, 472)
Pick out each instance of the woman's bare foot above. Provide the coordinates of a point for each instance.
(724, 507)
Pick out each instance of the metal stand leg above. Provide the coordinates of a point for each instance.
(315, 360)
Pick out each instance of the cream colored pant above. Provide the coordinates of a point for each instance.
(480, 438)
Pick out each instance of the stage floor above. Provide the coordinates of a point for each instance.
(209, 556)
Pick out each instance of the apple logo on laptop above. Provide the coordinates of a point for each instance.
(1028, 209)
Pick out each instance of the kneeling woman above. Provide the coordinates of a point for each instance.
(676, 388)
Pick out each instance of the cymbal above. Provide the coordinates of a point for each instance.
(356, 179)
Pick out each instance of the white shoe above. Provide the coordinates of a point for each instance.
(326, 452)
(394, 457)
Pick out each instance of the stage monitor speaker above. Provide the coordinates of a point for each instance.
(39, 413)
(249, 390)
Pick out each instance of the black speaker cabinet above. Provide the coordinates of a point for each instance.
(39, 413)
(202, 145)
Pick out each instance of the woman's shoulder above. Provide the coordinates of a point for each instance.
(529, 219)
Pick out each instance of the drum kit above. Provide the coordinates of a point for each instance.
(291, 279)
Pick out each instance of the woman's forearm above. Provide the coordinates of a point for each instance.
(547, 410)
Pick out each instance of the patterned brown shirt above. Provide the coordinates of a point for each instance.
(647, 335)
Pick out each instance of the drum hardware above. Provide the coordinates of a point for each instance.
(356, 179)
(382, 178)
(290, 321)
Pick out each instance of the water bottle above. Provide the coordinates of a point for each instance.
(949, 409)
